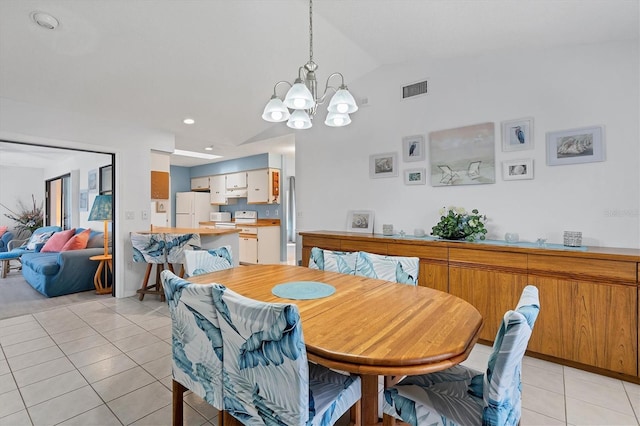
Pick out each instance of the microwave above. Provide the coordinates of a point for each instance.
(219, 216)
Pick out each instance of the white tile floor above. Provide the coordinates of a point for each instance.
(108, 363)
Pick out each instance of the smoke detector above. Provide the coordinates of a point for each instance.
(44, 20)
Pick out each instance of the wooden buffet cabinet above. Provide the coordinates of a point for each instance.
(589, 299)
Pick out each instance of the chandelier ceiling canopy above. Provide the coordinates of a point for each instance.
(303, 99)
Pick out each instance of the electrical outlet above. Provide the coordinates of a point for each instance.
(266, 213)
(276, 213)
(145, 215)
(129, 215)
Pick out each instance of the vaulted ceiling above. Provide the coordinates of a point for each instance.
(155, 62)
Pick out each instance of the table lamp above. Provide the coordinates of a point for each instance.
(101, 210)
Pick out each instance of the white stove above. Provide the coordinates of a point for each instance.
(243, 217)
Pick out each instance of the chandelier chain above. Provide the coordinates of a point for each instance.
(310, 30)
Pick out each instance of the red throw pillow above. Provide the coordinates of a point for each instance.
(58, 240)
(3, 229)
(78, 242)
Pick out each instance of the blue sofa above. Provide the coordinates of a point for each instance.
(56, 274)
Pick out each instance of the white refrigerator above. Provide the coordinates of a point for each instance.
(193, 208)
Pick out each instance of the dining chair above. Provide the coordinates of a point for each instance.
(461, 395)
(448, 175)
(149, 249)
(333, 261)
(198, 262)
(196, 341)
(267, 377)
(177, 245)
(398, 269)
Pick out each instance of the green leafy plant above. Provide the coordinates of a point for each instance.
(457, 224)
(28, 217)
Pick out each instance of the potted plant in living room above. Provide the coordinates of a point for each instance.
(28, 218)
(457, 224)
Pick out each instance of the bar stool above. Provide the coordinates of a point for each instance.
(176, 245)
(150, 249)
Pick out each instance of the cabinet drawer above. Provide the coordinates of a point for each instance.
(580, 268)
(323, 243)
(371, 247)
(488, 258)
(414, 250)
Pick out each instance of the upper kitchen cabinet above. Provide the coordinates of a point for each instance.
(237, 180)
(200, 183)
(263, 186)
(218, 186)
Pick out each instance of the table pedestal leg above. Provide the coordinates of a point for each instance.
(369, 399)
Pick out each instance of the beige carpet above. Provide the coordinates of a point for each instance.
(17, 297)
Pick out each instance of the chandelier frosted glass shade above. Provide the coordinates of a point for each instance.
(342, 102)
(275, 111)
(336, 119)
(299, 120)
(299, 96)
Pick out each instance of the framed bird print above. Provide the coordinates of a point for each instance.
(413, 148)
(517, 135)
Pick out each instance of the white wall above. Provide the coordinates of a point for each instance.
(17, 184)
(23, 122)
(561, 89)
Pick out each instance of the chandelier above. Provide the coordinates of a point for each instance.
(302, 97)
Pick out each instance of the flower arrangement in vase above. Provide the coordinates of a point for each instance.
(29, 218)
(457, 224)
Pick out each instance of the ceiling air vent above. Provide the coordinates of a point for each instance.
(414, 89)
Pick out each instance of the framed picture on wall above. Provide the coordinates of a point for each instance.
(105, 179)
(517, 169)
(360, 221)
(161, 206)
(383, 165)
(415, 176)
(584, 145)
(517, 135)
(413, 148)
(92, 179)
(83, 200)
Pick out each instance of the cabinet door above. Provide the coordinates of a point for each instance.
(268, 244)
(237, 180)
(593, 323)
(248, 250)
(200, 183)
(258, 186)
(217, 185)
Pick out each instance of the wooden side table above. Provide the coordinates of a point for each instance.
(103, 287)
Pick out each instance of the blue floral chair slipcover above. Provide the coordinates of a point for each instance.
(333, 261)
(399, 269)
(198, 262)
(177, 244)
(267, 378)
(149, 249)
(463, 396)
(196, 340)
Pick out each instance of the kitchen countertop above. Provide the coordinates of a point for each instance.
(201, 231)
(260, 222)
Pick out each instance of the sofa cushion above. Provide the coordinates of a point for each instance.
(78, 241)
(39, 238)
(96, 240)
(42, 263)
(58, 240)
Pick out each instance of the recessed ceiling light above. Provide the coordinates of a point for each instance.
(209, 148)
(195, 154)
(188, 121)
(44, 20)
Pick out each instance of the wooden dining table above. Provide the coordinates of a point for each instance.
(369, 327)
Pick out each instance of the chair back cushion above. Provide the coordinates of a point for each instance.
(265, 360)
(198, 262)
(176, 244)
(196, 337)
(333, 261)
(148, 248)
(399, 269)
(501, 388)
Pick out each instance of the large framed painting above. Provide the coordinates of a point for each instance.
(463, 156)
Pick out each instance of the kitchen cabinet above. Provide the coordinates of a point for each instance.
(259, 244)
(200, 183)
(218, 187)
(237, 180)
(263, 186)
